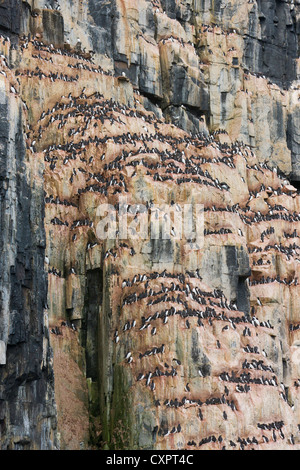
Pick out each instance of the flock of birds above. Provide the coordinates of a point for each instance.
(150, 302)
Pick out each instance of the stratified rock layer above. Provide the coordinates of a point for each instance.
(27, 406)
(158, 344)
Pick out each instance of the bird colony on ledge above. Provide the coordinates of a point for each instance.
(172, 345)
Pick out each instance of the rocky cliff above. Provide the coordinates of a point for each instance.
(135, 342)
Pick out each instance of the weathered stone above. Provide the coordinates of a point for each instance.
(148, 100)
(2, 353)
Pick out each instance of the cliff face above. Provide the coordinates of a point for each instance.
(27, 407)
(156, 343)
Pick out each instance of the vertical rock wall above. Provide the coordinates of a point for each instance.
(156, 344)
(27, 408)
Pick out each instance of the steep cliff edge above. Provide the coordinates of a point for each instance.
(27, 406)
(157, 344)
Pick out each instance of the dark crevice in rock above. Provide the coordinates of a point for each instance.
(296, 184)
(93, 301)
(155, 100)
(187, 118)
(243, 295)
